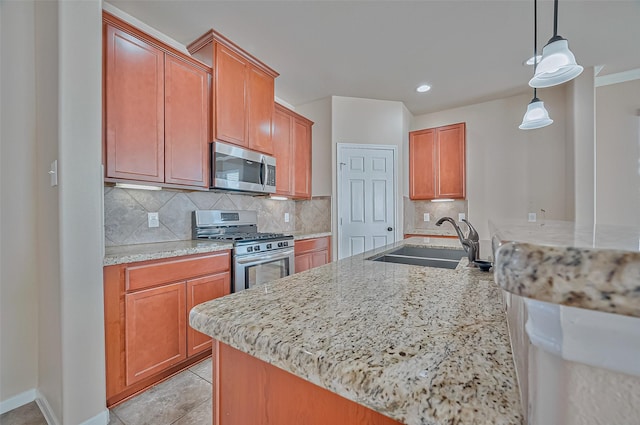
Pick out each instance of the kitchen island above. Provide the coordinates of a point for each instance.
(415, 344)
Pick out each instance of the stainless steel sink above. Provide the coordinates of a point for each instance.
(422, 256)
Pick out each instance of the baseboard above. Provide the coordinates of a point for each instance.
(101, 418)
(46, 410)
(17, 401)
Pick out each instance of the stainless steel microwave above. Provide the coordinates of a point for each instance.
(236, 168)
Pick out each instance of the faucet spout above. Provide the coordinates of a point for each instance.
(455, 226)
(470, 244)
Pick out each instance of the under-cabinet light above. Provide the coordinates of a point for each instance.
(443, 200)
(137, 186)
(279, 198)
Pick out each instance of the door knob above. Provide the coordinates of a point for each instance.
(389, 229)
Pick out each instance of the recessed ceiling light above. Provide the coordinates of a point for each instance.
(531, 60)
(423, 88)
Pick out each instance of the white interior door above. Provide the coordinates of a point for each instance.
(366, 198)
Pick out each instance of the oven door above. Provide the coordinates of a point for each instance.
(254, 269)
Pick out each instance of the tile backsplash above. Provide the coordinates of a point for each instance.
(125, 213)
(414, 215)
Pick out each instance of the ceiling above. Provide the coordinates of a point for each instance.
(468, 51)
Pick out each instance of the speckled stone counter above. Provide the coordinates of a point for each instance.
(298, 236)
(596, 268)
(153, 251)
(420, 345)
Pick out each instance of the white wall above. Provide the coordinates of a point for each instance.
(581, 139)
(618, 153)
(18, 276)
(510, 172)
(368, 121)
(81, 182)
(52, 337)
(319, 112)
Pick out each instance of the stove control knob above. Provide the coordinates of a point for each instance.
(256, 248)
(279, 244)
(285, 243)
(249, 249)
(268, 246)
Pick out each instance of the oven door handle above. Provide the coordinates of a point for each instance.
(260, 258)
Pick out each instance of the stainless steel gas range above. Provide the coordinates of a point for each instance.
(257, 257)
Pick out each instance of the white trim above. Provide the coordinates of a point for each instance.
(46, 410)
(17, 401)
(396, 190)
(101, 418)
(620, 77)
(144, 27)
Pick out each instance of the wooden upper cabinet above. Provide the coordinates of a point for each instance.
(283, 151)
(422, 176)
(451, 161)
(292, 150)
(186, 123)
(243, 92)
(156, 110)
(302, 151)
(437, 163)
(260, 89)
(134, 103)
(230, 97)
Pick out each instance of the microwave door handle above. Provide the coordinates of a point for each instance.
(263, 171)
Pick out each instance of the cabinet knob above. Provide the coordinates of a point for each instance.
(389, 229)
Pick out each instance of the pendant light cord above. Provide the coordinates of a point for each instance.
(535, 42)
(555, 18)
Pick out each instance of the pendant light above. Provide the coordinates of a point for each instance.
(536, 115)
(558, 65)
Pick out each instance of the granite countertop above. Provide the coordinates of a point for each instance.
(152, 251)
(591, 267)
(438, 231)
(420, 345)
(302, 235)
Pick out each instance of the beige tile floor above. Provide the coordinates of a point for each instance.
(185, 399)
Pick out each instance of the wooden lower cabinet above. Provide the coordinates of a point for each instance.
(310, 253)
(147, 332)
(250, 391)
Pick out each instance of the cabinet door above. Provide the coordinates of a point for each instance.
(186, 123)
(303, 262)
(134, 103)
(155, 330)
(260, 87)
(302, 155)
(319, 258)
(198, 291)
(451, 161)
(230, 107)
(422, 183)
(283, 151)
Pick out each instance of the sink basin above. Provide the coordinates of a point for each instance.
(422, 256)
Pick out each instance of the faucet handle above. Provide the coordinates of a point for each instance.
(473, 234)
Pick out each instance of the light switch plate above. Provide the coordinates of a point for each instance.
(532, 217)
(461, 216)
(286, 217)
(427, 217)
(153, 220)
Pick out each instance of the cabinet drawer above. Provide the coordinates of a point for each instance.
(308, 245)
(157, 273)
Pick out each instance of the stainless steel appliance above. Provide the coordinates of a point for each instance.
(236, 168)
(257, 257)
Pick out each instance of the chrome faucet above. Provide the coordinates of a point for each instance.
(470, 244)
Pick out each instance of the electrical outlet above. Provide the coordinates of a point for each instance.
(427, 217)
(286, 217)
(532, 217)
(461, 216)
(153, 220)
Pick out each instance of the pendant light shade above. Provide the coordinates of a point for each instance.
(558, 65)
(536, 116)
